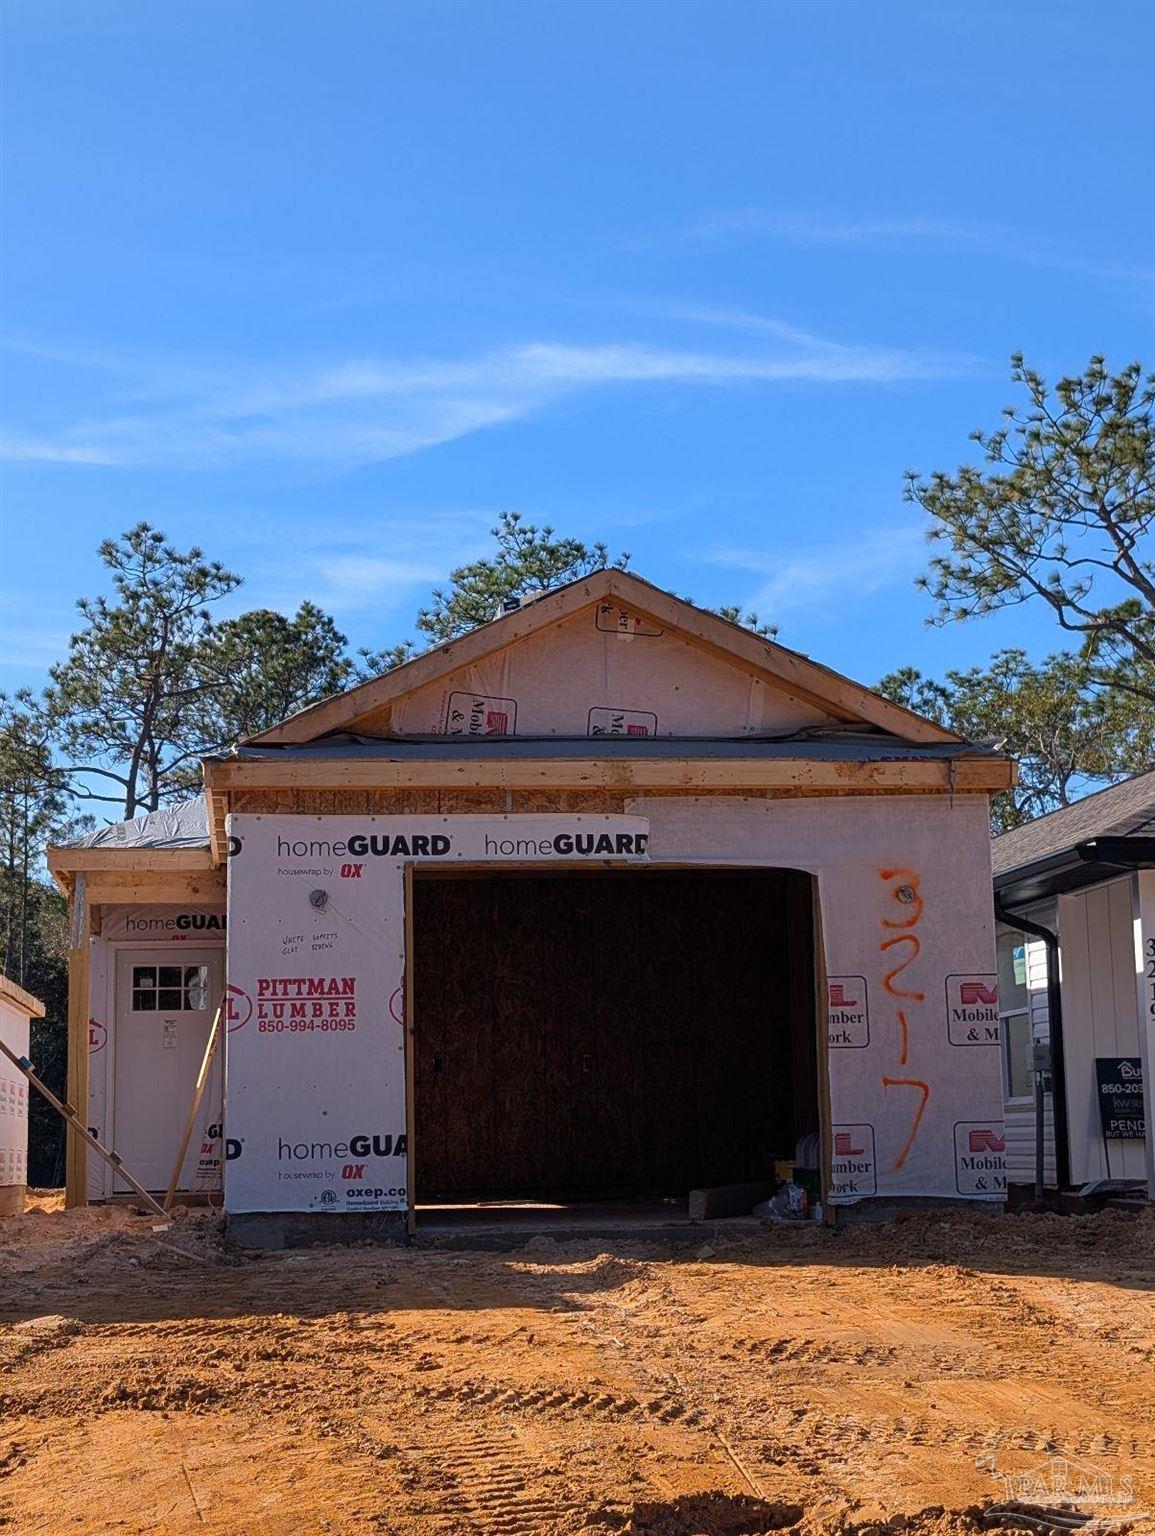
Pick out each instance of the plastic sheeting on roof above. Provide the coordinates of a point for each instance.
(836, 744)
(183, 825)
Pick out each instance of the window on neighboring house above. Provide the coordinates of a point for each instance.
(169, 988)
(1015, 1016)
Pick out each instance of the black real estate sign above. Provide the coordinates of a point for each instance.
(1120, 1085)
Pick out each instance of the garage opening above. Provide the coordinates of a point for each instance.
(591, 1035)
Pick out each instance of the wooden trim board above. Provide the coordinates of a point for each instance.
(22, 1001)
(76, 1165)
(95, 860)
(128, 885)
(963, 775)
(410, 1063)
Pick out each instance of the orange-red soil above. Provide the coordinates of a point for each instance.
(790, 1379)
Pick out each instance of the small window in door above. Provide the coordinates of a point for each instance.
(170, 988)
(196, 987)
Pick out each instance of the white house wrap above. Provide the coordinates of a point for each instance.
(316, 1072)
(316, 1038)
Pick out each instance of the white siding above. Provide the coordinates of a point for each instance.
(1100, 1016)
(1019, 1114)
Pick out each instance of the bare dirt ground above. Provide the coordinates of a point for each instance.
(792, 1379)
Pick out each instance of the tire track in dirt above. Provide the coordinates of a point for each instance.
(791, 1351)
(493, 1484)
(548, 1397)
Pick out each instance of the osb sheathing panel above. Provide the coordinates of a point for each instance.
(467, 802)
(337, 802)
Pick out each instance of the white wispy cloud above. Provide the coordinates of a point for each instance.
(349, 572)
(18, 447)
(368, 409)
(726, 226)
(827, 575)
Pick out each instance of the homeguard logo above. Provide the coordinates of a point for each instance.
(848, 1016)
(972, 1009)
(566, 844)
(330, 1151)
(183, 922)
(979, 1158)
(852, 1168)
(402, 845)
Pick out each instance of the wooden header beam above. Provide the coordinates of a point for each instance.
(92, 860)
(140, 876)
(964, 775)
(146, 888)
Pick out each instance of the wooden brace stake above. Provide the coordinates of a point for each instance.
(111, 1158)
(198, 1095)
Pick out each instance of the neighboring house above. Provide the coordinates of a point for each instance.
(1078, 884)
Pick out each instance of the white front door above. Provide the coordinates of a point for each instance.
(164, 1008)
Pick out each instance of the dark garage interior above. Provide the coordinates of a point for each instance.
(610, 1033)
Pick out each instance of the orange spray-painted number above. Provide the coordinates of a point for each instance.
(888, 980)
(924, 1099)
(905, 892)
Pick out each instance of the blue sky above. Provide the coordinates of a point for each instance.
(323, 287)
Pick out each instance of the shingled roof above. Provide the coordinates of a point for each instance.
(1076, 835)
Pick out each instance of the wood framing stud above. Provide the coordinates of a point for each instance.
(76, 1167)
(218, 809)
